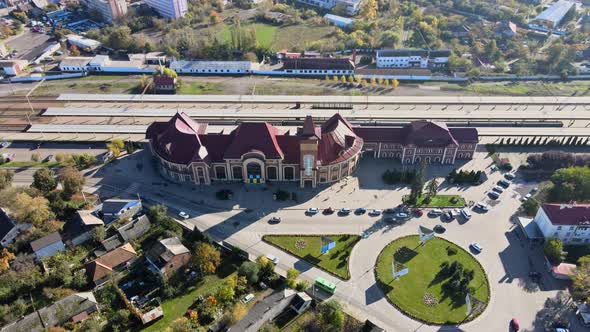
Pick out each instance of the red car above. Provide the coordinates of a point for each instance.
(418, 212)
(514, 324)
(328, 211)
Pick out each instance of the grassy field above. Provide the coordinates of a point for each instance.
(29, 164)
(578, 88)
(424, 263)
(199, 88)
(439, 201)
(307, 247)
(176, 307)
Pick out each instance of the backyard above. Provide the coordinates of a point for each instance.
(308, 247)
(421, 293)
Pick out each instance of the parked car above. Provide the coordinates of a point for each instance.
(493, 195)
(275, 220)
(328, 211)
(5, 144)
(312, 211)
(504, 183)
(418, 212)
(360, 211)
(401, 216)
(498, 189)
(248, 298)
(344, 211)
(514, 324)
(48, 158)
(526, 197)
(510, 176)
(449, 216)
(273, 258)
(183, 215)
(465, 213)
(439, 229)
(534, 190)
(482, 206)
(435, 212)
(476, 247)
(375, 213)
(389, 211)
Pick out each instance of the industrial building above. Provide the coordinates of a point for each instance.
(213, 67)
(551, 17)
(412, 58)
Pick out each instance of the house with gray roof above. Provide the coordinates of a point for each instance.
(9, 230)
(167, 256)
(48, 245)
(80, 229)
(117, 208)
(74, 308)
(128, 232)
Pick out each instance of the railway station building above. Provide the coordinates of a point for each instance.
(258, 152)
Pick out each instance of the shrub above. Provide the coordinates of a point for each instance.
(554, 251)
(451, 251)
(224, 194)
(282, 195)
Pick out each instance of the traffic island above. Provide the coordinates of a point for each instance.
(432, 280)
(327, 252)
(437, 201)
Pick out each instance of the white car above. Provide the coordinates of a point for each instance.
(248, 298)
(465, 213)
(526, 197)
(375, 213)
(183, 215)
(476, 247)
(498, 189)
(273, 258)
(275, 219)
(482, 206)
(312, 211)
(435, 212)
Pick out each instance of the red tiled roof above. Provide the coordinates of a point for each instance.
(309, 129)
(380, 134)
(338, 141)
(105, 264)
(164, 80)
(419, 133)
(428, 133)
(465, 135)
(568, 214)
(251, 136)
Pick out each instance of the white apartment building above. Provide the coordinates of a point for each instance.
(110, 10)
(351, 7)
(412, 58)
(173, 9)
(568, 222)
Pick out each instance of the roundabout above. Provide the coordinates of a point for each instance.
(432, 280)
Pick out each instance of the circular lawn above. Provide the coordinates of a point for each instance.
(433, 291)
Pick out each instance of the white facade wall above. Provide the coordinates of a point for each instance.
(402, 62)
(173, 9)
(569, 234)
(108, 9)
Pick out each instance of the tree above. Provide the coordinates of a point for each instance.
(159, 217)
(368, 9)
(394, 83)
(571, 184)
(238, 312)
(530, 206)
(34, 210)
(35, 157)
(206, 258)
(554, 251)
(331, 316)
(180, 324)
(581, 282)
(214, 17)
(432, 187)
(99, 233)
(71, 180)
(226, 293)
(44, 180)
(266, 268)
(74, 50)
(417, 185)
(6, 177)
(5, 258)
(250, 271)
(292, 275)
(116, 146)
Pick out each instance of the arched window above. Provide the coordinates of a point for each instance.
(237, 172)
(437, 159)
(288, 173)
(220, 172)
(271, 173)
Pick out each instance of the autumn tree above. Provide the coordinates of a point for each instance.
(237, 312)
(214, 17)
(71, 180)
(226, 293)
(31, 209)
(368, 9)
(331, 316)
(6, 177)
(581, 282)
(394, 83)
(206, 258)
(116, 146)
(74, 50)
(432, 187)
(180, 324)
(5, 258)
(44, 180)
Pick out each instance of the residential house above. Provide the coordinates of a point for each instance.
(167, 256)
(277, 303)
(506, 29)
(116, 208)
(48, 245)
(13, 67)
(81, 228)
(300, 302)
(128, 232)
(568, 222)
(74, 308)
(8, 229)
(100, 269)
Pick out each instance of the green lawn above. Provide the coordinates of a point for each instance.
(30, 164)
(265, 33)
(199, 88)
(439, 201)
(408, 291)
(176, 307)
(307, 247)
(523, 88)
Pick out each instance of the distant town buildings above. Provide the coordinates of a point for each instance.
(412, 58)
(551, 17)
(350, 7)
(83, 43)
(324, 66)
(109, 10)
(213, 67)
(257, 152)
(568, 222)
(173, 9)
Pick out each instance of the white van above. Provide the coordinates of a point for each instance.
(465, 213)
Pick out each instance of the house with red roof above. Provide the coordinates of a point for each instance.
(568, 222)
(257, 152)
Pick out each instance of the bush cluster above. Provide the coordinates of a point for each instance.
(461, 177)
(394, 177)
(553, 160)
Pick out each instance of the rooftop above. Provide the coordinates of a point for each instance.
(78, 61)
(414, 52)
(105, 264)
(186, 65)
(6, 224)
(318, 64)
(568, 214)
(166, 249)
(556, 11)
(45, 241)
